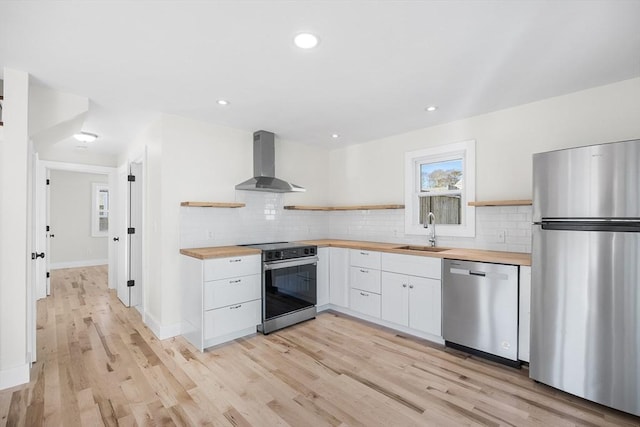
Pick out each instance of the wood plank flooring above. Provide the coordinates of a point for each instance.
(99, 365)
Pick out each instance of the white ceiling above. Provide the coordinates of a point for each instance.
(378, 64)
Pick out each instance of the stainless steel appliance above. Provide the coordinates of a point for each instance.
(289, 284)
(585, 326)
(480, 309)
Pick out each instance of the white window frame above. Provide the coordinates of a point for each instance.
(466, 150)
(96, 187)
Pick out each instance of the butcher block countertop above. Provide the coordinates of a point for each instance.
(514, 258)
(219, 252)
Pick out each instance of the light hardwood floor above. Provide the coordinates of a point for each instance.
(99, 365)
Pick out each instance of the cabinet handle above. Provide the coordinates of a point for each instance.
(236, 260)
(364, 253)
(410, 286)
(364, 271)
(404, 285)
(233, 307)
(235, 281)
(363, 294)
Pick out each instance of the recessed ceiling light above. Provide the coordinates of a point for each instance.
(85, 137)
(335, 136)
(222, 102)
(431, 108)
(305, 40)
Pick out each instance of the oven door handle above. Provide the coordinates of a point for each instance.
(276, 265)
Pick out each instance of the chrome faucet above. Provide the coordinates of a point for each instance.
(432, 239)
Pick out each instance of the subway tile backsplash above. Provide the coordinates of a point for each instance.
(264, 219)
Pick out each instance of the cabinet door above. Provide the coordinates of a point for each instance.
(339, 276)
(226, 320)
(425, 305)
(365, 302)
(524, 313)
(322, 277)
(221, 293)
(395, 298)
(223, 268)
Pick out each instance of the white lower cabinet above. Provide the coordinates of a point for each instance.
(339, 277)
(524, 313)
(364, 282)
(412, 292)
(221, 298)
(411, 301)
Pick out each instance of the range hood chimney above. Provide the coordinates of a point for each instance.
(264, 168)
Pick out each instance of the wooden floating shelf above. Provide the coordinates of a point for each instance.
(502, 203)
(343, 208)
(212, 205)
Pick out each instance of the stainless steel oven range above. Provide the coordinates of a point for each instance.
(289, 289)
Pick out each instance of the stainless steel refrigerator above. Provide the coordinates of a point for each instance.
(585, 325)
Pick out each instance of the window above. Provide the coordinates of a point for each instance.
(441, 180)
(99, 210)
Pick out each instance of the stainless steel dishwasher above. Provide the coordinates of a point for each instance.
(480, 309)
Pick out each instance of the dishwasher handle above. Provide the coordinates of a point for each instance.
(477, 273)
(465, 272)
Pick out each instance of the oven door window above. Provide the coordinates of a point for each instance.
(289, 289)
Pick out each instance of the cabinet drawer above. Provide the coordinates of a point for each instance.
(365, 302)
(412, 265)
(234, 290)
(361, 258)
(365, 279)
(226, 320)
(222, 268)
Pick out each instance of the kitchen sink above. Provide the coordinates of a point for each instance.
(422, 248)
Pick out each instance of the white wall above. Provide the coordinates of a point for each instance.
(70, 220)
(506, 139)
(14, 366)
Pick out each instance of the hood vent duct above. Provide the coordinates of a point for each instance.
(264, 168)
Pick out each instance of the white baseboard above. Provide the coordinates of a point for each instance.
(14, 376)
(162, 332)
(75, 264)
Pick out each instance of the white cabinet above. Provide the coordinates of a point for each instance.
(410, 300)
(322, 277)
(364, 282)
(524, 313)
(339, 277)
(221, 298)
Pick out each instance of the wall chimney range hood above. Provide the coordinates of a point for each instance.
(264, 167)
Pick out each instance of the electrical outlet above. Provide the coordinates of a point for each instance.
(210, 234)
(500, 237)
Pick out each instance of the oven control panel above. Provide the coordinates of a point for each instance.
(289, 253)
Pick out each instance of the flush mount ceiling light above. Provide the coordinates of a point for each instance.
(222, 102)
(85, 137)
(431, 108)
(305, 40)
(335, 136)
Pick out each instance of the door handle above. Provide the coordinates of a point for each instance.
(115, 239)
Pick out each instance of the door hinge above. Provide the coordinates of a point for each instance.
(48, 228)
(131, 283)
(48, 274)
(48, 181)
(131, 230)
(131, 178)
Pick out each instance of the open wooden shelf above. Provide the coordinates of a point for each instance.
(523, 202)
(212, 205)
(343, 208)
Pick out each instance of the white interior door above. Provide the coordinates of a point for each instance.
(135, 238)
(40, 234)
(121, 220)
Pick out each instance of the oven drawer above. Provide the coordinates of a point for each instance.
(365, 302)
(234, 290)
(362, 258)
(365, 278)
(222, 268)
(233, 318)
